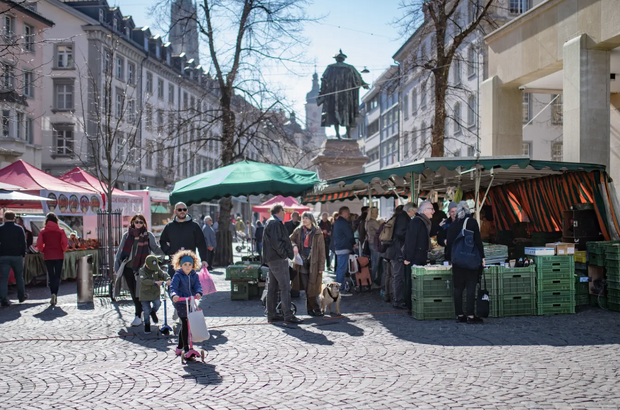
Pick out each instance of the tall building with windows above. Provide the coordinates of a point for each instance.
(21, 78)
(184, 29)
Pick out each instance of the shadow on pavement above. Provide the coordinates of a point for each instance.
(201, 373)
(306, 336)
(14, 312)
(51, 313)
(340, 324)
(217, 338)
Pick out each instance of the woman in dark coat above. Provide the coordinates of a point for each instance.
(465, 278)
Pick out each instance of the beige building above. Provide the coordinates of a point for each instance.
(569, 50)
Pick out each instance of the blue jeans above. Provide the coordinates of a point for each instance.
(342, 265)
(375, 263)
(17, 264)
(146, 308)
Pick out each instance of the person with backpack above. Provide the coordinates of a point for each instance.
(395, 255)
(372, 226)
(467, 258)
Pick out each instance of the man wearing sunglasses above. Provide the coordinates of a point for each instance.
(183, 233)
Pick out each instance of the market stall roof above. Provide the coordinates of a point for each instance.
(33, 179)
(19, 199)
(290, 204)
(441, 173)
(10, 187)
(78, 176)
(243, 178)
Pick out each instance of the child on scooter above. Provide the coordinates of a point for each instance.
(151, 279)
(185, 283)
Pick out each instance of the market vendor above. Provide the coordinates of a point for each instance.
(442, 234)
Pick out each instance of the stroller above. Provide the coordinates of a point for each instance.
(263, 301)
(358, 275)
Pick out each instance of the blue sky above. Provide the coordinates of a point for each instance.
(362, 28)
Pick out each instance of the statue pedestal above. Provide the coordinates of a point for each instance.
(339, 158)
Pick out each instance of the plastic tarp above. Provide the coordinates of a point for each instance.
(290, 204)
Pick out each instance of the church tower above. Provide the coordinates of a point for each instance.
(313, 113)
(184, 29)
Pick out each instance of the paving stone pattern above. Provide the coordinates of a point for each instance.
(371, 359)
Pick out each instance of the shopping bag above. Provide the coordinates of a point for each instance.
(297, 260)
(206, 281)
(197, 323)
(482, 299)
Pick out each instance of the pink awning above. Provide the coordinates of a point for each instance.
(290, 204)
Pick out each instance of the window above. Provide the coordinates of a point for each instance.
(29, 37)
(171, 124)
(170, 157)
(527, 148)
(146, 43)
(457, 71)
(6, 123)
(373, 155)
(374, 103)
(192, 103)
(131, 73)
(519, 6)
(120, 68)
(160, 121)
(389, 152)
(406, 105)
(119, 156)
(422, 135)
(63, 139)
(405, 144)
(64, 56)
(8, 80)
(29, 130)
(556, 151)
(185, 101)
(423, 95)
(457, 152)
(527, 111)
(171, 93)
(158, 51)
(472, 61)
(373, 128)
(149, 155)
(101, 15)
(414, 101)
(458, 24)
(8, 29)
(127, 32)
(119, 103)
(131, 111)
(63, 94)
(149, 82)
(107, 62)
(160, 156)
(148, 120)
(115, 24)
(471, 112)
(471, 151)
(457, 118)
(20, 125)
(160, 88)
(557, 114)
(28, 84)
(414, 142)
(472, 10)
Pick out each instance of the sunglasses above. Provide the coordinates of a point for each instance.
(138, 222)
(181, 209)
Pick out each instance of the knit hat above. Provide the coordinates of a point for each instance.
(186, 259)
(452, 205)
(152, 263)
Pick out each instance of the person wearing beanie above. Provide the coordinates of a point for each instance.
(442, 235)
(185, 283)
(418, 240)
(151, 280)
(400, 278)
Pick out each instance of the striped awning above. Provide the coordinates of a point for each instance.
(355, 194)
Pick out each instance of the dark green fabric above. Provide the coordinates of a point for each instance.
(243, 178)
(341, 83)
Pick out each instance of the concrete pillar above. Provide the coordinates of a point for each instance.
(586, 103)
(501, 127)
(614, 143)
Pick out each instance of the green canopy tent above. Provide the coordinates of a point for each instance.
(242, 179)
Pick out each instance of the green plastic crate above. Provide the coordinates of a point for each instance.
(598, 301)
(431, 286)
(517, 281)
(239, 290)
(493, 303)
(559, 308)
(553, 285)
(597, 260)
(612, 264)
(582, 288)
(582, 300)
(517, 305)
(432, 308)
(613, 284)
(558, 296)
(613, 295)
(613, 306)
(243, 272)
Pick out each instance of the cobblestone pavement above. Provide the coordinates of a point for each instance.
(371, 359)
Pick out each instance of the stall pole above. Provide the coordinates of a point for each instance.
(478, 177)
(414, 195)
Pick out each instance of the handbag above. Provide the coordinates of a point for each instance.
(197, 323)
(482, 298)
(464, 252)
(206, 281)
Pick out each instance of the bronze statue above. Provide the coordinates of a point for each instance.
(339, 95)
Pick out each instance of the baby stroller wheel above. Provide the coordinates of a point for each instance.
(293, 308)
(358, 289)
(239, 248)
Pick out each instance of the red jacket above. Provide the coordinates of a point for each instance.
(52, 241)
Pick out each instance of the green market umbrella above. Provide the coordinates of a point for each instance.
(243, 178)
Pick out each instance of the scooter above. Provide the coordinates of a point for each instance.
(191, 354)
(165, 329)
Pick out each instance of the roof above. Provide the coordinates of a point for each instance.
(29, 12)
(78, 176)
(440, 173)
(33, 179)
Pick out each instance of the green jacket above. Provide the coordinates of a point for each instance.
(149, 291)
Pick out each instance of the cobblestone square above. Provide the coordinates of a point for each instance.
(76, 357)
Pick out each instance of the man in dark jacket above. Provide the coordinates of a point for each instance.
(326, 228)
(395, 255)
(258, 236)
(183, 233)
(210, 239)
(343, 240)
(360, 224)
(417, 243)
(12, 252)
(277, 250)
(293, 223)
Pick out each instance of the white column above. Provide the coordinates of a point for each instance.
(501, 118)
(586, 103)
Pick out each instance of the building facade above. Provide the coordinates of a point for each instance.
(22, 76)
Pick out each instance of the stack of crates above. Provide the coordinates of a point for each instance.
(431, 293)
(244, 279)
(555, 284)
(582, 290)
(491, 276)
(612, 270)
(517, 291)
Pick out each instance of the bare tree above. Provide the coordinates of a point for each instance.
(449, 23)
(243, 38)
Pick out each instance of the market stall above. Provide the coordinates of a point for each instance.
(290, 205)
(34, 265)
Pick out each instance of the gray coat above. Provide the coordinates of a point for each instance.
(209, 234)
(154, 248)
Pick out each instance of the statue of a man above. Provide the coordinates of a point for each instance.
(339, 95)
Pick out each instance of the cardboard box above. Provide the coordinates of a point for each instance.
(562, 248)
(540, 251)
(581, 257)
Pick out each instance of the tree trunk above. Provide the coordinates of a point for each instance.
(224, 250)
(439, 127)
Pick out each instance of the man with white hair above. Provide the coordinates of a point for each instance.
(209, 234)
(395, 255)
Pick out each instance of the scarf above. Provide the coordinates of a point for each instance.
(427, 223)
(306, 236)
(143, 249)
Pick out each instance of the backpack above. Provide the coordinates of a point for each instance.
(464, 252)
(387, 233)
(379, 246)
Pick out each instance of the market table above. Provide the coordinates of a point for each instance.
(34, 265)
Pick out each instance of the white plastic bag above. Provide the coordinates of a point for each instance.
(353, 265)
(297, 260)
(197, 323)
